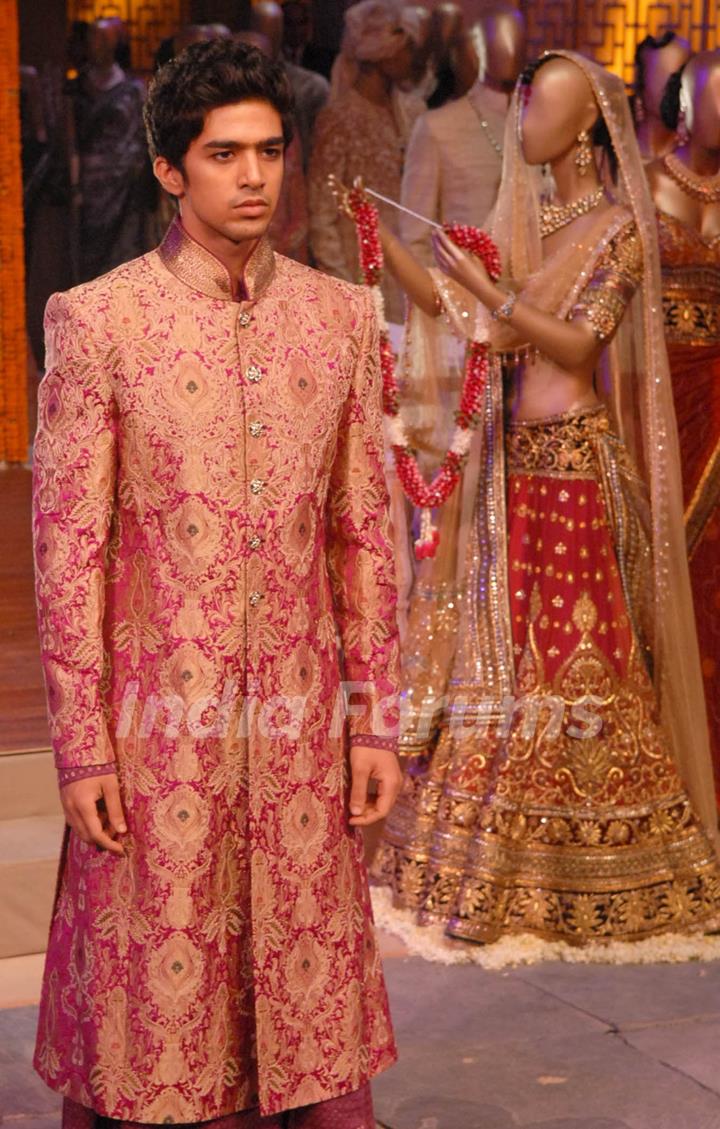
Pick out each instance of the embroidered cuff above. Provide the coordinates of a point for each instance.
(82, 771)
(370, 742)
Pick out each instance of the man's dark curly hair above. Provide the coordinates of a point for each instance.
(202, 78)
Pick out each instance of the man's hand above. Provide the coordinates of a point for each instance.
(383, 768)
(94, 811)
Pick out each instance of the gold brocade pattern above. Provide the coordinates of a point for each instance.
(546, 448)
(690, 281)
(189, 628)
(558, 810)
(615, 279)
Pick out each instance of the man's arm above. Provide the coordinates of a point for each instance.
(73, 490)
(420, 191)
(362, 572)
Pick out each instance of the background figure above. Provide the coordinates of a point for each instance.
(686, 190)
(300, 45)
(656, 58)
(288, 230)
(454, 159)
(447, 29)
(112, 154)
(363, 132)
(310, 90)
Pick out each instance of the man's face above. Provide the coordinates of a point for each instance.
(232, 174)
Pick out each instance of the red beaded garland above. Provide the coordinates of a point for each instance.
(422, 494)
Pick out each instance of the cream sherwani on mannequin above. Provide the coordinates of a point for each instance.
(452, 169)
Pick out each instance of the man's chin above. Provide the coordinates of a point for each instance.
(250, 227)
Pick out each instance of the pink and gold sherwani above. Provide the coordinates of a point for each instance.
(210, 515)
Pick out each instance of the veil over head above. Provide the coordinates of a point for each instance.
(633, 379)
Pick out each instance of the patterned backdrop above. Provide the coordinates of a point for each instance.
(610, 31)
(148, 21)
(604, 28)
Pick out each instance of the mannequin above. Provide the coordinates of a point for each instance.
(364, 130)
(656, 59)
(686, 192)
(502, 41)
(454, 158)
(551, 576)
(311, 90)
(561, 108)
(112, 152)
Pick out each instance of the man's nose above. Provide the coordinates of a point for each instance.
(250, 172)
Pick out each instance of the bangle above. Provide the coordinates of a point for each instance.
(505, 312)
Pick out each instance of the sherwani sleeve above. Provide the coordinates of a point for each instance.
(420, 190)
(73, 493)
(328, 156)
(360, 554)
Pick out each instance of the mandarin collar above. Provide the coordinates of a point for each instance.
(198, 268)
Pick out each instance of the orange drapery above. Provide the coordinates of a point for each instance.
(13, 346)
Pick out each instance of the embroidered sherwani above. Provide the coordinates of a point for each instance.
(210, 516)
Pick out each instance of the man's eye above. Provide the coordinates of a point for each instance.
(273, 151)
(222, 155)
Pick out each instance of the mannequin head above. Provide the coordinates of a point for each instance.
(700, 98)
(559, 105)
(502, 39)
(423, 45)
(267, 19)
(447, 23)
(191, 33)
(255, 39)
(298, 26)
(103, 40)
(656, 59)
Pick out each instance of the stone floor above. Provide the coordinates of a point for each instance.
(554, 1046)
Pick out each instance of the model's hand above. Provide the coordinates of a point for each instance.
(382, 768)
(461, 266)
(93, 809)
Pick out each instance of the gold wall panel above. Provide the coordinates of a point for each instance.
(148, 22)
(610, 31)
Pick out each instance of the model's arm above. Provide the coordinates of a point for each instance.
(413, 278)
(420, 191)
(73, 490)
(362, 573)
(574, 343)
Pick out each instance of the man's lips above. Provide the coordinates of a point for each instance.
(250, 205)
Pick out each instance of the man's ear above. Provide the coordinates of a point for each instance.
(170, 177)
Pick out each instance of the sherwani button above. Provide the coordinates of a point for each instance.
(245, 319)
(255, 598)
(257, 486)
(256, 428)
(254, 373)
(255, 542)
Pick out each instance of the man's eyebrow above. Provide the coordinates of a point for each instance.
(219, 144)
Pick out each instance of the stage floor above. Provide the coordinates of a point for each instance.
(23, 725)
(555, 1046)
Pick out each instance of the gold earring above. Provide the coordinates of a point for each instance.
(584, 155)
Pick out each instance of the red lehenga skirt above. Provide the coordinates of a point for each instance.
(696, 390)
(564, 816)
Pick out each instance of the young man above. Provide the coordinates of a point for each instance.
(210, 513)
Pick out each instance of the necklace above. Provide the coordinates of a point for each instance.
(555, 216)
(705, 188)
(488, 132)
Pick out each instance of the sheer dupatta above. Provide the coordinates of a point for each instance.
(635, 382)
